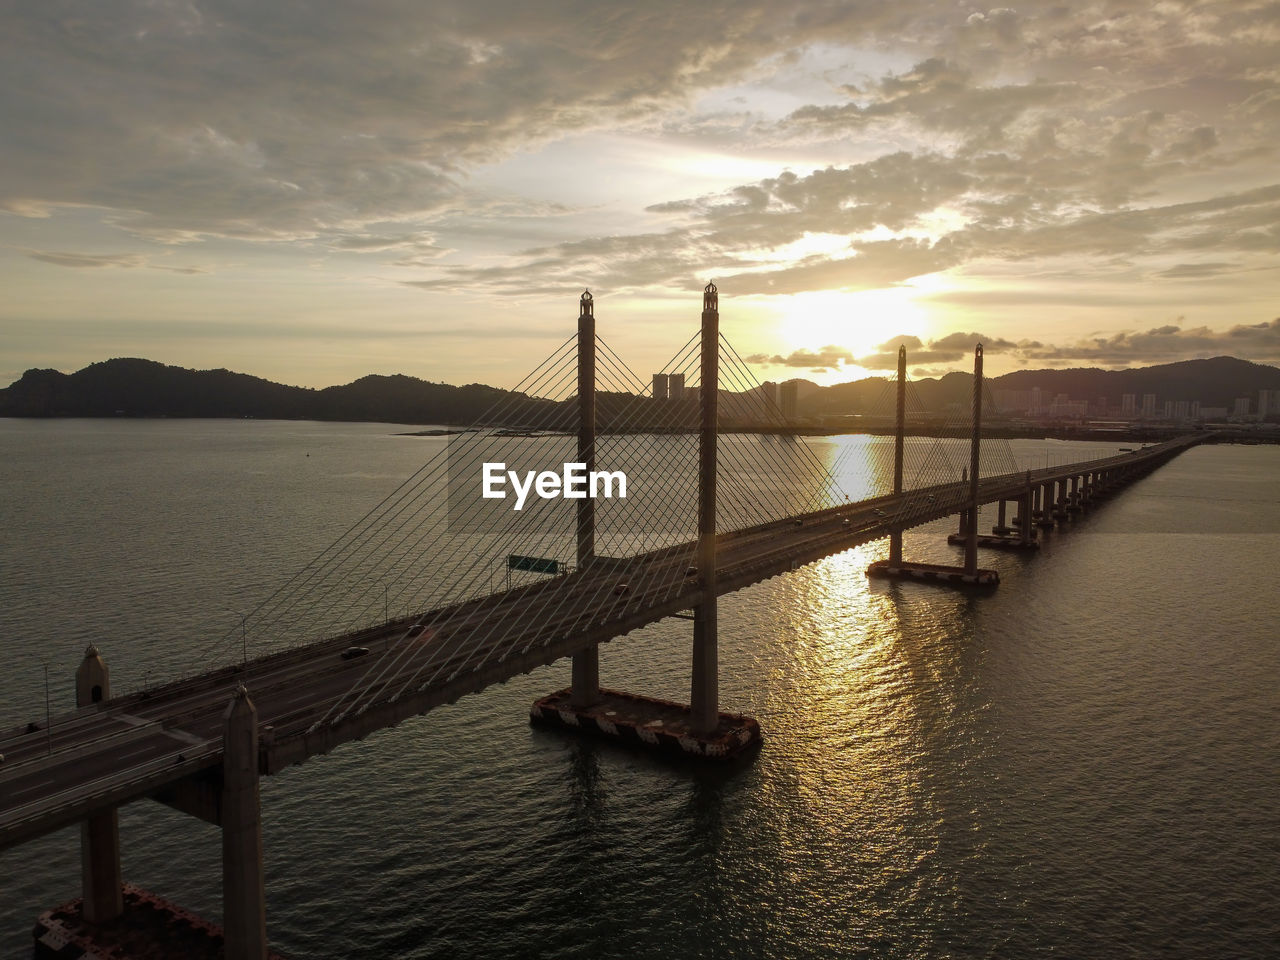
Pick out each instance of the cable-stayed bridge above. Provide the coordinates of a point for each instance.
(484, 593)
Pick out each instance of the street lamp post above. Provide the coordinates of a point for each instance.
(48, 713)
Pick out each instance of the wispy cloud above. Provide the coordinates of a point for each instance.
(125, 261)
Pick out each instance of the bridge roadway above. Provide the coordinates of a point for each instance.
(134, 745)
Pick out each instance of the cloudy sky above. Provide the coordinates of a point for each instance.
(313, 191)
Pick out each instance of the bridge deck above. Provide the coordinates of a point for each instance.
(131, 746)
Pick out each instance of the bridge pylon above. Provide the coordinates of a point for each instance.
(967, 503)
(699, 729)
(586, 662)
(102, 888)
(243, 885)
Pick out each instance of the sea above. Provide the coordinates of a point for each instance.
(1084, 762)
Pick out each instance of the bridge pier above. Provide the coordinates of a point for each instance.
(1044, 507)
(1001, 528)
(1026, 533)
(101, 885)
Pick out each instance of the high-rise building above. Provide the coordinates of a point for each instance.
(675, 386)
(1037, 401)
(1128, 404)
(1168, 409)
(1181, 409)
(661, 386)
(1268, 404)
(1148, 404)
(790, 398)
(1242, 407)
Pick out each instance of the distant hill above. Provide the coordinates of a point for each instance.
(144, 388)
(1215, 382)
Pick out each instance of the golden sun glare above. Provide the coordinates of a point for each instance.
(858, 322)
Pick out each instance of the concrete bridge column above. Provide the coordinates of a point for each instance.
(975, 442)
(1045, 514)
(899, 438)
(100, 880)
(1024, 516)
(244, 912)
(1001, 527)
(704, 696)
(585, 688)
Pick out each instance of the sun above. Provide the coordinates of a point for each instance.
(858, 321)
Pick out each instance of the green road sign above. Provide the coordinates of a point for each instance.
(535, 564)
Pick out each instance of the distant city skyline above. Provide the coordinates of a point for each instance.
(312, 193)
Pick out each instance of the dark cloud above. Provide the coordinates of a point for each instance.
(1166, 343)
(1259, 342)
(949, 349)
(273, 121)
(817, 361)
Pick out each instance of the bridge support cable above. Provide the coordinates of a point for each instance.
(465, 568)
(626, 439)
(491, 641)
(318, 577)
(440, 625)
(461, 565)
(373, 539)
(812, 485)
(676, 477)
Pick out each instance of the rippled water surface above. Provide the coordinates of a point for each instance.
(1082, 763)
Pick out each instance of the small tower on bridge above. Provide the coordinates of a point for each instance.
(700, 728)
(965, 501)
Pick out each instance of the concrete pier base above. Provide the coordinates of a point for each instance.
(996, 542)
(147, 928)
(933, 573)
(649, 723)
